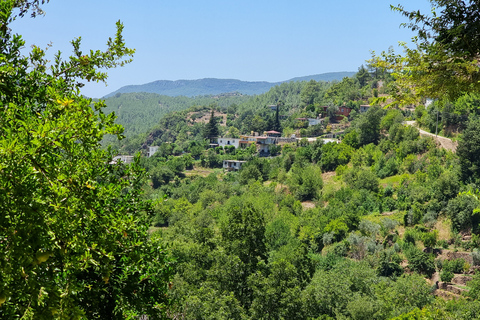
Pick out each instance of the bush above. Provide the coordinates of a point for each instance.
(409, 236)
(430, 239)
(455, 265)
(461, 211)
(443, 243)
(420, 262)
(446, 275)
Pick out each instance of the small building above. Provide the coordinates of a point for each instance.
(314, 122)
(152, 150)
(263, 143)
(341, 113)
(232, 165)
(122, 158)
(364, 108)
(223, 142)
(272, 133)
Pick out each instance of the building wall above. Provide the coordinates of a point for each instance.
(152, 150)
(364, 108)
(233, 164)
(222, 142)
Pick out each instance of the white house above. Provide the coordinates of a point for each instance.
(314, 122)
(233, 165)
(364, 108)
(263, 143)
(223, 142)
(152, 150)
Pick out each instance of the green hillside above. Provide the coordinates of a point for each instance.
(139, 112)
(212, 86)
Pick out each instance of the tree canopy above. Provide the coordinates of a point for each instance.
(73, 242)
(443, 63)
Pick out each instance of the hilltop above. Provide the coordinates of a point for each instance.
(213, 86)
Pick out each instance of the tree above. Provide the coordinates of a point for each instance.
(243, 233)
(463, 212)
(368, 126)
(211, 129)
(310, 92)
(332, 112)
(73, 240)
(389, 264)
(443, 63)
(362, 179)
(468, 151)
(306, 182)
(363, 76)
(456, 27)
(276, 125)
(420, 262)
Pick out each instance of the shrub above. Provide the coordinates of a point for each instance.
(461, 211)
(443, 243)
(409, 236)
(430, 239)
(446, 275)
(420, 262)
(455, 265)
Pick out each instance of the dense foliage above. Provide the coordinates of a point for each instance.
(442, 63)
(359, 229)
(73, 235)
(280, 239)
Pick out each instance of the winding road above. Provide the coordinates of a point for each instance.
(445, 143)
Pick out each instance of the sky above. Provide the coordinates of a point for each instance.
(249, 40)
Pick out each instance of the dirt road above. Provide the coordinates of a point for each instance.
(445, 143)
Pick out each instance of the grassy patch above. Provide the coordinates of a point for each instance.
(444, 227)
(153, 229)
(393, 180)
(378, 217)
(460, 286)
(201, 171)
(330, 184)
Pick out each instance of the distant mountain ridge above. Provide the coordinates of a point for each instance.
(213, 86)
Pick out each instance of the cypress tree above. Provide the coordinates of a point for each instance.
(211, 130)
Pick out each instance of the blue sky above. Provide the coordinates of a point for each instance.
(262, 40)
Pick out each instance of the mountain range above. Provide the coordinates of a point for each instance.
(213, 86)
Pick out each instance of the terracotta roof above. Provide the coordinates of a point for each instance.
(272, 131)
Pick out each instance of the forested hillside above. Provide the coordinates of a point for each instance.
(139, 112)
(362, 229)
(244, 114)
(201, 87)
